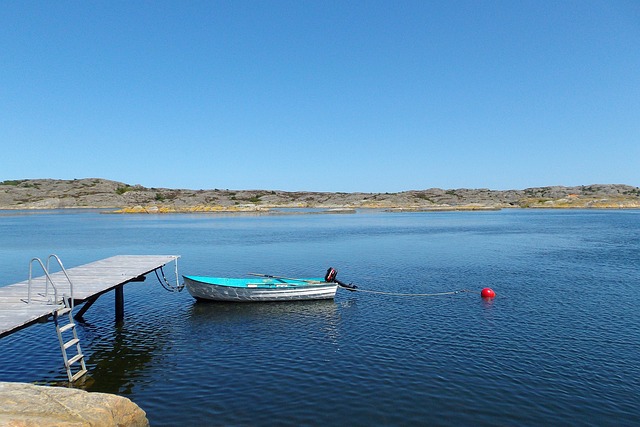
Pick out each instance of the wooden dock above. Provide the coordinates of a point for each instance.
(89, 281)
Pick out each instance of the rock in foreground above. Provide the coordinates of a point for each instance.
(27, 405)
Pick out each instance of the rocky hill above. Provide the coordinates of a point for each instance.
(106, 194)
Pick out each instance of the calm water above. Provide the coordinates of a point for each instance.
(558, 345)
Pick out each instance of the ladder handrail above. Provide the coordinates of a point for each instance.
(48, 280)
(66, 275)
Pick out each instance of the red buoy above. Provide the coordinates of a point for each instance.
(487, 293)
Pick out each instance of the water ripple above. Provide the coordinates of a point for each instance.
(557, 346)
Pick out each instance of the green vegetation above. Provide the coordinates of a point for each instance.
(123, 189)
(528, 203)
(423, 197)
(166, 196)
(16, 182)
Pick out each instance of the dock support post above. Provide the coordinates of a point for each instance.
(79, 315)
(119, 303)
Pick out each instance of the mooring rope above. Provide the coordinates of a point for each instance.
(398, 294)
(165, 283)
(169, 287)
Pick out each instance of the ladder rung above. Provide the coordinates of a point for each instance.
(67, 327)
(71, 343)
(74, 359)
(78, 374)
(62, 311)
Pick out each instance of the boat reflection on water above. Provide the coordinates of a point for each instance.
(229, 312)
(269, 320)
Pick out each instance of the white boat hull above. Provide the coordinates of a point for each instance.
(260, 291)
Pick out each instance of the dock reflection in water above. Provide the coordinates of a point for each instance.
(120, 359)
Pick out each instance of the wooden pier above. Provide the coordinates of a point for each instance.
(20, 307)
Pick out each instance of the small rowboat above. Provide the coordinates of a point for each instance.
(266, 288)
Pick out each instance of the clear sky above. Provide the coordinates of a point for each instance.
(321, 95)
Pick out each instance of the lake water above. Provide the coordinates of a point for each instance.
(558, 345)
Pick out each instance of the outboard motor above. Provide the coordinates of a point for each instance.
(330, 277)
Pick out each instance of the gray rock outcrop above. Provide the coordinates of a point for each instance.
(101, 193)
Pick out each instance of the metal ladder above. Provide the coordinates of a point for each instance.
(62, 327)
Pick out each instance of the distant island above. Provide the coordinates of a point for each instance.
(125, 198)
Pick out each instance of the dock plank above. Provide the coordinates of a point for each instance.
(89, 280)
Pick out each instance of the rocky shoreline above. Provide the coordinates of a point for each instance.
(32, 405)
(120, 197)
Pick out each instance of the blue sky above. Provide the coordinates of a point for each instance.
(374, 96)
